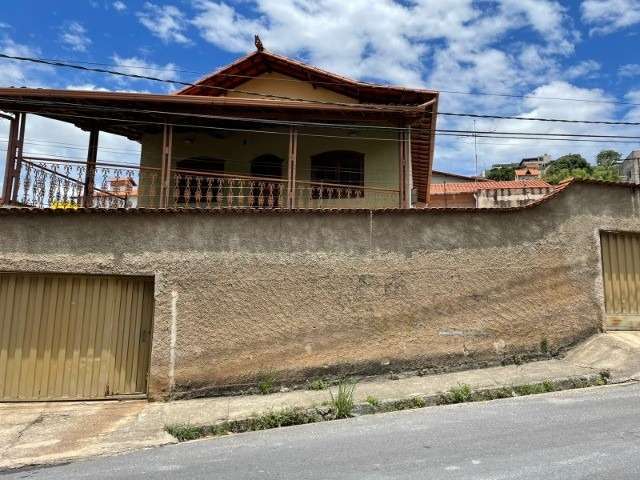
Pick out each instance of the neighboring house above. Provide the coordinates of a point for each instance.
(488, 194)
(264, 132)
(438, 176)
(630, 169)
(527, 173)
(528, 168)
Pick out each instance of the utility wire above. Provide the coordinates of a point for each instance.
(320, 82)
(282, 97)
(494, 134)
(185, 84)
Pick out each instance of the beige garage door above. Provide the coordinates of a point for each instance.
(73, 336)
(621, 273)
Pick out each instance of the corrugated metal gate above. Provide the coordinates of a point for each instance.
(621, 273)
(73, 336)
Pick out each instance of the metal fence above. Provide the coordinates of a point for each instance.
(57, 183)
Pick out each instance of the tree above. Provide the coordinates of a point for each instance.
(575, 166)
(501, 173)
(572, 165)
(608, 158)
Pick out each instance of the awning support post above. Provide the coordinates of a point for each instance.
(90, 173)
(403, 154)
(19, 149)
(11, 158)
(291, 171)
(165, 167)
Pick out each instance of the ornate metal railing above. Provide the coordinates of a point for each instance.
(58, 183)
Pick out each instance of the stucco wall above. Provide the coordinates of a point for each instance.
(312, 293)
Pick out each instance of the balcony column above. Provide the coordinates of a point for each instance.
(18, 154)
(404, 149)
(11, 158)
(165, 167)
(291, 171)
(90, 173)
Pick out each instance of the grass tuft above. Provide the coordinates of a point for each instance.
(342, 402)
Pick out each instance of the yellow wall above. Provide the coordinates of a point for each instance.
(282, 85)
(381, 162)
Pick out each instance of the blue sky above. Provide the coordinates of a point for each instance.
(541, 48)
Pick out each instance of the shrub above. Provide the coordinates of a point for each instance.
(266, 384)
(460, 394)
(318, 384)
(373, 401)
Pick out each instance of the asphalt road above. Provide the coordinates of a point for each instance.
(581, 434)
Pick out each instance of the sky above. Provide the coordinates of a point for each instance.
(543, 50)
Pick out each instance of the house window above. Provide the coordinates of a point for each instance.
(197, 174)
(338, 167)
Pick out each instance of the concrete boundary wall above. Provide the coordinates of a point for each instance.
(303, 294)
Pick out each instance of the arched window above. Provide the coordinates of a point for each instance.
(196, 175)
(341, 167)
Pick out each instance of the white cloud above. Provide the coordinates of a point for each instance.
(119, 6)
(74, 36)
(87, 87)
(14, 73)
(166, 22)
(629, 70)
(139, 66)
(607, 16)
(586, 68)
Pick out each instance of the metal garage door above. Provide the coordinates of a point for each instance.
(621, 272)
(73, 336)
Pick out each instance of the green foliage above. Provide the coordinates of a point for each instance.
(342, 402)
(608, 173)
(282, 418)
(318, 384)
(266, 384)
(544, 345)
(373, 401)
(460, 394)
(608, 158)
(573, 161)
(184, 432)
(575, 166)
(501, 173)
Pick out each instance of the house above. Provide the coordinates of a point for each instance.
(264, 132)
(438, 176)
(527, 173)
(630, 169)
(528, 168)
(488, 194)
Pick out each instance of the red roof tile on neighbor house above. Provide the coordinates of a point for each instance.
(469, 187)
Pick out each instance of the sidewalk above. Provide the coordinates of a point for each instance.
(43, 433)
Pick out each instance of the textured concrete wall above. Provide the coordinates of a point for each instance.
(310, 293)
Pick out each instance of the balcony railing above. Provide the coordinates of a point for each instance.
(58, 183)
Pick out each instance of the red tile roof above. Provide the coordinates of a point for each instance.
(470, 187)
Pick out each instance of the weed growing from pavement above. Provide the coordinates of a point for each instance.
(266, 383)
(373, 401)
(342, 401)
(544, 346)
(318, 384)
(342, 406)
(459, 394)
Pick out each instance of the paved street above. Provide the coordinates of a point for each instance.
(580, 434)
